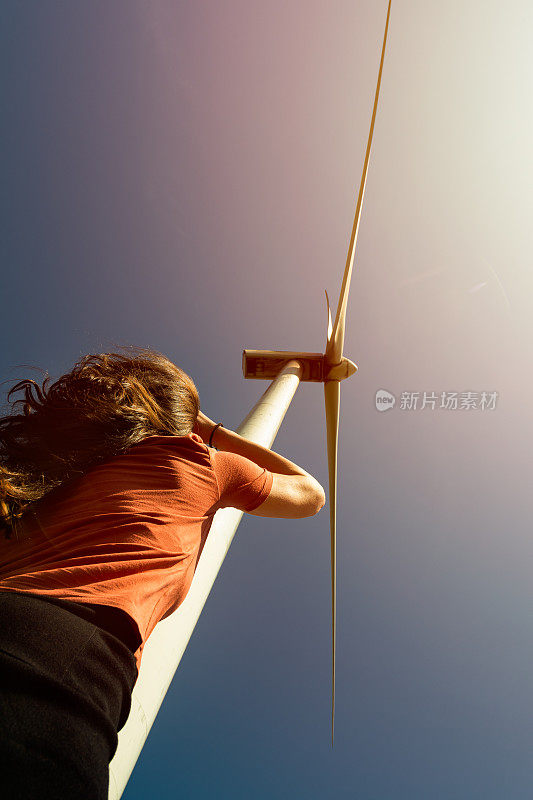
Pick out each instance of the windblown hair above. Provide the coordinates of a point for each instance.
(104, 405)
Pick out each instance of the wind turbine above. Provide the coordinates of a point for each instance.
(167, 643)
(330, 368)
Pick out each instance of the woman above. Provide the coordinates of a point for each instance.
(109, 481)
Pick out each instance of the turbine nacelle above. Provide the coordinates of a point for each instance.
(266, 364)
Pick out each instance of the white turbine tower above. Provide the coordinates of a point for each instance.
(166, 645)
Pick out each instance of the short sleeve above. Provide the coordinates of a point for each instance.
(241, 482)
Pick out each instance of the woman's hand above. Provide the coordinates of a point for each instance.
(203, 426)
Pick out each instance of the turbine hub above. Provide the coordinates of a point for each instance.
(340, 371)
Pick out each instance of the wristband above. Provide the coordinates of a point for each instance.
(218, 425)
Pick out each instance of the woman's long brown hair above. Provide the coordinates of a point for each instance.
(104, 405)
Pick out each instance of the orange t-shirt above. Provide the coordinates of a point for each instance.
(129, 533)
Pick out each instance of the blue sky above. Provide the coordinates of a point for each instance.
(183, 176)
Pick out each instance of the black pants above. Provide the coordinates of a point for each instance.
(66, 675)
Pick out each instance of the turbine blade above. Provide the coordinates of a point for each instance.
(336, 342)
(330, 326)
(332, 400)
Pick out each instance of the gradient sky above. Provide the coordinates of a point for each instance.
(183, 176)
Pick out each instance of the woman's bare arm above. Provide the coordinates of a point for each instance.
(294, 494)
